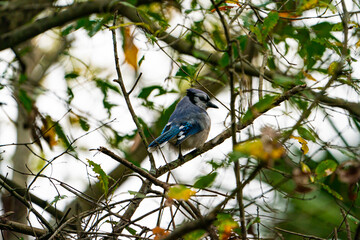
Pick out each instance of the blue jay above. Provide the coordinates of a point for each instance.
(189, 124)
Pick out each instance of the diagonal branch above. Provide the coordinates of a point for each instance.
(134, 168)
(33, 198)
(21, 228)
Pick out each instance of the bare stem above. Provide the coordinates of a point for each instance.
(120, 81)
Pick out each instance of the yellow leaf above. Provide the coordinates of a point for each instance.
(130, 24)
(310, 4)
(130, 49)
(357, 44)
(308, 76)
(180, 192)
(252, 148)
(332, 68)
(256, 149)
(305, 169)
(303, 142)
(234, 2)
(292, 16)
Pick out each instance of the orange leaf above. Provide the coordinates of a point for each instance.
(292, 16)
(130, 49)
(222, 8)
(160, 233)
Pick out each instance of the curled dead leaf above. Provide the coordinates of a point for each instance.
(301, 180)
(349, 171)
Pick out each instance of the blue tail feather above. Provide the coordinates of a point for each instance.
(163, 138)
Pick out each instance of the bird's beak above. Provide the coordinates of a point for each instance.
(211, 105)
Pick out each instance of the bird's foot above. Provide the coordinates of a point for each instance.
(181, 158)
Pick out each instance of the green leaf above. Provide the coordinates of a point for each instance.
(104, 87)
(205, 181)
(60, 133)
(253, 221)
(57, 198)
(187, 70)
(145, 92)
(211, 79)
(195, 235)
(108, 106)
(271, 63)
(22, 78)
(225, 60)
(219, 39)
(141, 60)
(269, 23)
(67, 30)
(304, 133)
(303, 105)
(116, 139)
(257, 32)
(337, 27)
(137, 194)
(354, 219)
(242, 39)
(323, 29)
(95, 28)
(325, 168)
(71, 75)
(286, 82)
(102, 176)
(84, 124)
(131, 230)
(26, 101)
(165, 115)
(259, 107)
(331, 191)
(70, 95)
(128, 4)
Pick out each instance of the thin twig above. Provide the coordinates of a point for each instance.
(348, 230)
(136, 169)
(299, 234)
(27, 204)
(120, 81)
(136, 82)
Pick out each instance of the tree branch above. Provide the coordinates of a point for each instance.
(33, 198)
(134, 168)
(21, 228)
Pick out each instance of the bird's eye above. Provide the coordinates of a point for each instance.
(203, 98)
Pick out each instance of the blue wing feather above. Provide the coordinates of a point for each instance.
(186, 130)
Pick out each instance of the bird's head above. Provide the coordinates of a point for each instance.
(200, 98)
